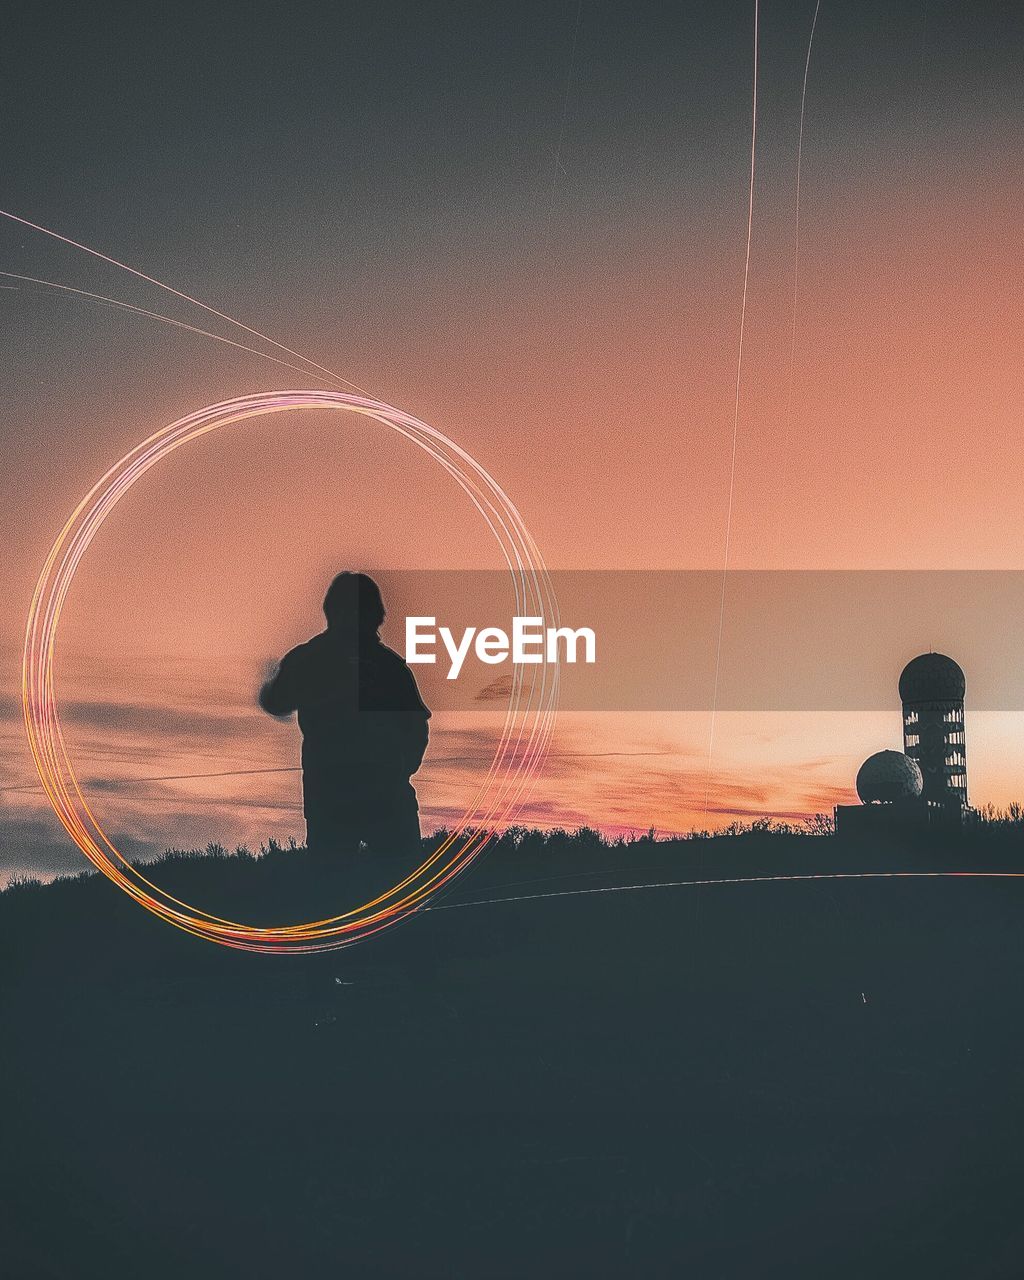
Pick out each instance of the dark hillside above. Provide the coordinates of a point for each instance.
(794, 1078)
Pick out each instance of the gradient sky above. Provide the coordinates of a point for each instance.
(524, 224)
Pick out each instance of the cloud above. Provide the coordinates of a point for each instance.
(170, 721)
(499, 690)
(182, 720)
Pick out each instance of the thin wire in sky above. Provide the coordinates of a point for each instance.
(244, 773)
(160, 284)
(796, 217)
(735, 413)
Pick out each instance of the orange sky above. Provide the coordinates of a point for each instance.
(596, 386)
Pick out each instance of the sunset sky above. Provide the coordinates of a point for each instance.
(524, 224)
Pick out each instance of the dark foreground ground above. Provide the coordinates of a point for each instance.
(790, 1079)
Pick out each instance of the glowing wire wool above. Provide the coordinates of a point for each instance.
(522, 744)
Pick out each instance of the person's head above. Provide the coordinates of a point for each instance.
(354, 601)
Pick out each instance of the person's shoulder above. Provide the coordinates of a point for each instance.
(388, 657)
(303, 652)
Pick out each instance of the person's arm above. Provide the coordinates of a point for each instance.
(277, 695)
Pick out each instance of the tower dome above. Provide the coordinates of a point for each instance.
(888, 776)
(932, 677)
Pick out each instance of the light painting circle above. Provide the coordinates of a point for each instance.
(522, 743)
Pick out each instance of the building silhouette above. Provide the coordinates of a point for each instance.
(888, 777)
(932, 690)
(925, 785)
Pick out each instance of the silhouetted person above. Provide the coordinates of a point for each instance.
(364, 726)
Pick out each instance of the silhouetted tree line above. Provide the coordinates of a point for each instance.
(528, 842)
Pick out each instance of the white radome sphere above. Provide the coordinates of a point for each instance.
(888, 776)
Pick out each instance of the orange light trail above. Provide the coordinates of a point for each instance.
(522, 746)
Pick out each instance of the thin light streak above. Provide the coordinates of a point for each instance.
(735, 415)
(312, 366)
(733, 880)
(796, 218)
(169, 320)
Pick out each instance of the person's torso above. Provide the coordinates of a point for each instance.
(353, 706)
